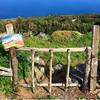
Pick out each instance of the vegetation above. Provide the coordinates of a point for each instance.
(60, 31)
(49, 24)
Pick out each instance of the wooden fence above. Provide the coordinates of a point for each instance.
(90, 68)
(51, 51)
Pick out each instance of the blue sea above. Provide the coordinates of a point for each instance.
(28, 8)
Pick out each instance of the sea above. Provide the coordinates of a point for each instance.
(29, 8)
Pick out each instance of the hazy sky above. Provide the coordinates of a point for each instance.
(14, 8)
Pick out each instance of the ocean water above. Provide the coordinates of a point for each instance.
(28, 8)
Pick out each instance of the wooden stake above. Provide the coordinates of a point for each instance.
(14, 62)
(68, 69)
(87, 69)
(50, 81)
(33, 69)
(14, 66)
(94, 61)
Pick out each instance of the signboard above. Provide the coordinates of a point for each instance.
(12, 40)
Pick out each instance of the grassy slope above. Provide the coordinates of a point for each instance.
(83, 41)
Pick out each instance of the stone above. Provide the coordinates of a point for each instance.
(58, 67)
(39, 73)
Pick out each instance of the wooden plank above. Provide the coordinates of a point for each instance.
(94, 62)
(68, 69)
(50, 74)
(33, 69)
(82, 49)
(87, 70)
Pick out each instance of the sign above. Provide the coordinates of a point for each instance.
(12, 40)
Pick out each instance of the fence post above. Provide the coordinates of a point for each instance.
(33, 70)
(87, 69)
(14, 62)
(94, 60)
(68, 69)
(51, 62)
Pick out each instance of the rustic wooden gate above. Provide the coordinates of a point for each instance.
(52, 51)
(90, 69)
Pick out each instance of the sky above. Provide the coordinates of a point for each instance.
(28, 8)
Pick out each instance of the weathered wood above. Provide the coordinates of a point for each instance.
(33, 70)
(14, 66)
(68, 69)
(50, 77)
(5, 69)
(94, 62)
(87, 70)
(54, 84)
(14, 62)
(82, 49)
(9, 28)
(3, 73)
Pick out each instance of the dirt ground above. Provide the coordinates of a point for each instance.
(58, 93)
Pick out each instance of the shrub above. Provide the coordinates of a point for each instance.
(61, 34)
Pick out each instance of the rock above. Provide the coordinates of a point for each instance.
(41, 35)
(80, 68)
(70, 80)
(39, 67)
(58, 67)
(39, 61)
(39, 73)
(74, 81)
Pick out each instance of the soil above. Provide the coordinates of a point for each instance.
(2, 96)
(58, 93)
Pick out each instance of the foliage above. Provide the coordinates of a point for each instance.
(49, 24)
(61, 34)
(5, 85)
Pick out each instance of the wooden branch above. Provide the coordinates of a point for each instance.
(68, 69)
(51, 61)
(53, 49)
(54, 84)
(33, 68)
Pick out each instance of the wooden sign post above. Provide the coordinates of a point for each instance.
(9, 28)
(94, 60)
(13, 62)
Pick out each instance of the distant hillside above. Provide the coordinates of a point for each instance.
(49, 24)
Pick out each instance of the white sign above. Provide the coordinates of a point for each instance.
(12, 40)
